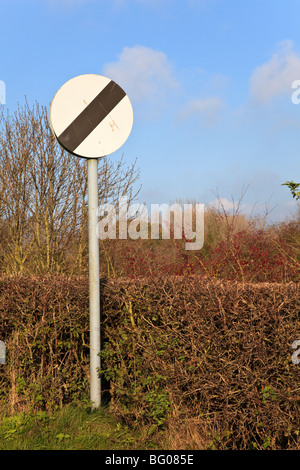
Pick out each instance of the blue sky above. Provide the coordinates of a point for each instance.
(210, 82)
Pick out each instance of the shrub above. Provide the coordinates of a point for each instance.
(188, 349)
(215, 355)
(44, 323)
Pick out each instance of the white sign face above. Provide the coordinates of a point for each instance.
(91, 116)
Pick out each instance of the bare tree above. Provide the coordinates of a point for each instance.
(43, 196)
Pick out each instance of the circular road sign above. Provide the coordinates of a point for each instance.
(91, 116)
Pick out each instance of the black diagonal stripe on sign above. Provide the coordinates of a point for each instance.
(91, 116)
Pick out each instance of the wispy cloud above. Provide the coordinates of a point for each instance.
(205, 109)
(274, 78)
(143, 72)
(223, 204)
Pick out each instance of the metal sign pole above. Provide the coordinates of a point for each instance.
(91, 117)
(94, 283)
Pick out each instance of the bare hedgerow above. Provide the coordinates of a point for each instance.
(215, 356)
(188, 349)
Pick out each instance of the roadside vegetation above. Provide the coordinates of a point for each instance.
(196, 344)
(69, 428)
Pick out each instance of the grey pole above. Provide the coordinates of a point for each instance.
(94, 283)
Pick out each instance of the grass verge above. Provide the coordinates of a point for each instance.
(70, 428)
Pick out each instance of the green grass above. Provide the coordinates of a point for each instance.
(70, 428)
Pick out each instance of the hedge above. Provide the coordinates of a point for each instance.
(218, 354)
(174, 350)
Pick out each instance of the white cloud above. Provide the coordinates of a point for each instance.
(148, 77)
(144, 73)
(208, 109)
(233, 207)
(274, 78)
(224, 203)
